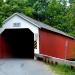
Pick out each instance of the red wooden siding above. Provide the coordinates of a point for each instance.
(71, 49)
(50, 43)
(4, 48)
(53, 44)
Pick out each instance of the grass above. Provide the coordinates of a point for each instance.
(62, 69)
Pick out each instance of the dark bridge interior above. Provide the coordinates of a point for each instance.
(21, 42)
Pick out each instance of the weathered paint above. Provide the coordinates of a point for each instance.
(53, 44)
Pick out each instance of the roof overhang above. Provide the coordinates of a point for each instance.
(37, 24)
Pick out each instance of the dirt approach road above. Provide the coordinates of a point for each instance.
(23, 67)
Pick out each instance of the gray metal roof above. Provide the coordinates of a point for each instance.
(39, 24)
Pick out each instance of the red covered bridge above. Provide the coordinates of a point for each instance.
(22, 37)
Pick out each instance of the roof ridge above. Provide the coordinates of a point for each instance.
(39, 24)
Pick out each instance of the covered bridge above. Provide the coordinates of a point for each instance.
(22, 37)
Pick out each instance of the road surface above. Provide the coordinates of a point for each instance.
(23, 67)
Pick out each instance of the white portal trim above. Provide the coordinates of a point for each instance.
(23, 24)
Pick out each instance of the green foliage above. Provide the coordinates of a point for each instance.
(55, 13)
(40, 8)
(70, 19)
(52, 12)
(28, 11)
(31, 2)
(63, 69)
(72, 1)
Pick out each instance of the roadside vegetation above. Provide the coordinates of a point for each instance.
(63, 69)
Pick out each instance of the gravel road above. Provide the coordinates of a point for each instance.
(24, 67)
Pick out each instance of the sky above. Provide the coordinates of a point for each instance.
(4, 0)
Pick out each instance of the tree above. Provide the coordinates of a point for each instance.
(28, 11)
(9, 7)
(40, 7)
(71, 1)
(31, 2)
(70, 19)
(55, 13)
